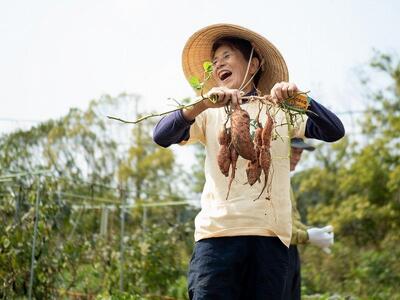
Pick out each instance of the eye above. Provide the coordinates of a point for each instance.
(226, 56)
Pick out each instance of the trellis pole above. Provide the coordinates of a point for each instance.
(122, 243)
(35, 229)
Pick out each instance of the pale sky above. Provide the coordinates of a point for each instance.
(55, 55)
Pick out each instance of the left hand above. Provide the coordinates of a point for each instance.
(283, 90)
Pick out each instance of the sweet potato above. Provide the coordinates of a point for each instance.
(265, 154)
(224, 136)
(265, 159)
(224, 154)
(267, 131)
(241, 139)
(253, 170)
(234, 158)
(258, 137)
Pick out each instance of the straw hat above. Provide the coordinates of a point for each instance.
(198, 50)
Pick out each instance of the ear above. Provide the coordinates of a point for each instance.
(255, 62)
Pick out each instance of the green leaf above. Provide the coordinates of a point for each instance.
(207, 66)
(195, 83)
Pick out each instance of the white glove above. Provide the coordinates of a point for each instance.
(321, 237)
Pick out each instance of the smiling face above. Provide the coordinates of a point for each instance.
(229, 67)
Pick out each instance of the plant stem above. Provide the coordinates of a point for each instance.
(264, 99)
(198, 100)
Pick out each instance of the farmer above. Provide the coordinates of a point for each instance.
(241, 245)
(302, 234)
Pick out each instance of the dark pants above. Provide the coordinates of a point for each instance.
(293, 280)
(236, 268)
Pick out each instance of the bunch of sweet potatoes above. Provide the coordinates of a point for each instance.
(236, 141)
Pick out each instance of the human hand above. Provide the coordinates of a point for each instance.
(321, 237)
(223, 96)
(283, 90)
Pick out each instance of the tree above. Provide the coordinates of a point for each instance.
(87, 165)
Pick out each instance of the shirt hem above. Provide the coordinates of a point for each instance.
(241, 232)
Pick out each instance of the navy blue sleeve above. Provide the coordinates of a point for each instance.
(172, 129)
(325, 126)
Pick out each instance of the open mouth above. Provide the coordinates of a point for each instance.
(223, 75)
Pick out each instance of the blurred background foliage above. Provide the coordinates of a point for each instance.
(355, 186)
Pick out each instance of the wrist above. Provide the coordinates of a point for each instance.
(192, 112)
(302, 236)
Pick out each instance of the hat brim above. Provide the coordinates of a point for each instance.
(198, 50)
(299, 143)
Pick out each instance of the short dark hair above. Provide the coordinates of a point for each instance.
(242, 45)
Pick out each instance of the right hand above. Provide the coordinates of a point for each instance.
(224, 96)
(283, 90)
(321, 237)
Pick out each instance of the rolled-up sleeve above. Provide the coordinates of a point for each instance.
(175, 129)
(322, 124)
